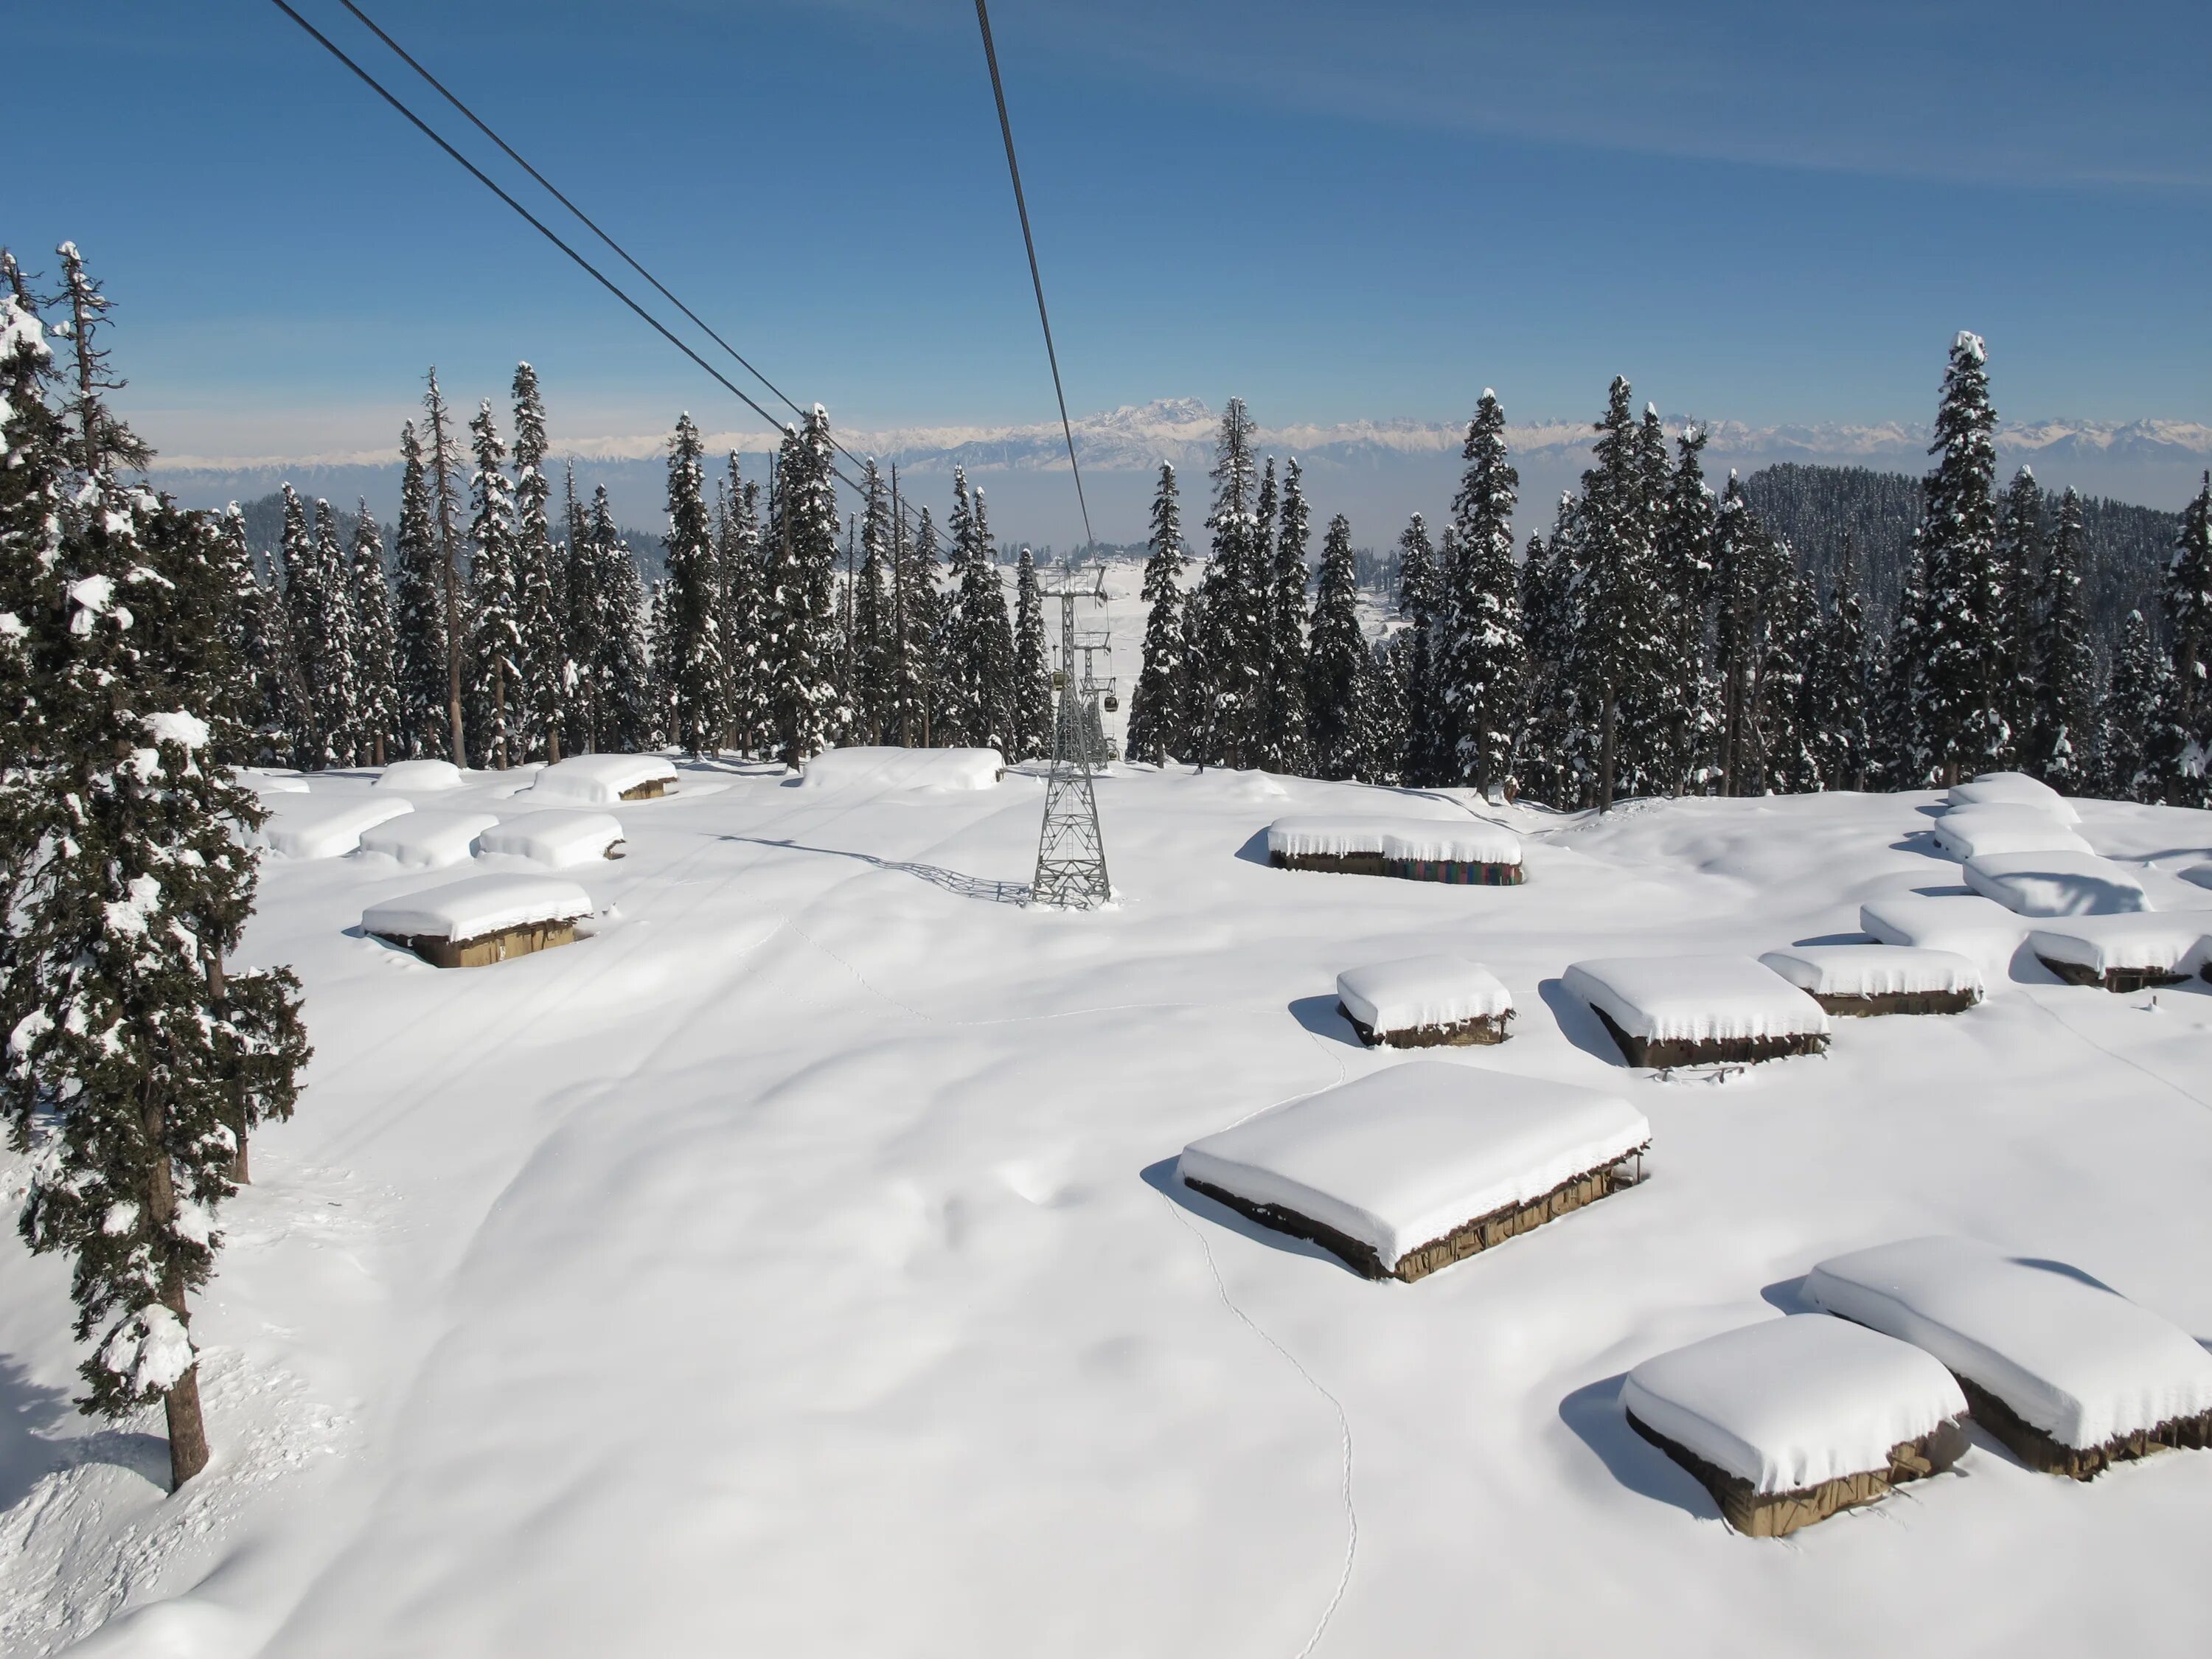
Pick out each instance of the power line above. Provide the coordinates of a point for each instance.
(1014, 170)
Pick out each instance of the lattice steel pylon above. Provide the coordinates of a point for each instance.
(1071, 866)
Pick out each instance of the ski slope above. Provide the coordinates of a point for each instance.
(793, 1265)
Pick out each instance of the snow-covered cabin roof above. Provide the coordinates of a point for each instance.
(1695, 999)
(420, 776)
(1970, 832)
(1400, 1158)
(1965, 923)
(2173, 942)
(1328, 835)
(2078, 1361)
(1874, 970)
(2014, 789)
(427, 838)
(2056, 884)
(598, 780)
(1418, 990)
(319, 827)
(555, 838)
(886, 768)
(477, 905)
(1473, 840)
(1789, 1403)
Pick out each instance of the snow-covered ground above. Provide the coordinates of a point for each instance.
(793, 1266)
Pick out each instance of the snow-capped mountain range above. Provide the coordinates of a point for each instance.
(1373, 470)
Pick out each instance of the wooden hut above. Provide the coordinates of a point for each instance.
(1694, 1011)
(1860, 979)
(1424, 1002)
(481, 919)
(2124, 952)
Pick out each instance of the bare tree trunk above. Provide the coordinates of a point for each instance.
(499, 711)
(1605, 754)
(188, 1444)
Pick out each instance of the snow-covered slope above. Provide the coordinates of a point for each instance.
(795, 1267)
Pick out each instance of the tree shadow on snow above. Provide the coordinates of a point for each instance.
(1594, 1415)
(1579, 1024)
(1324, 1017)
(951, 881)
(32, 1443)
(1163, 1179)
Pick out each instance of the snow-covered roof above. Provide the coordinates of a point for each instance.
(421, 776)
(2165, 942)
(317, 827)
(1328, 835)
(1874, 970)
(476, 905)
(1970, 832)
(1966, 923)
(2078, 1361)
(598, 780)
(1471, 841)
(428, 839)
(2014, 789)
(1695, 999)
(555, 838)
(1789, 1403)
(1400, 1159)
(2056, 884)
(883, 768)
(1416, 991)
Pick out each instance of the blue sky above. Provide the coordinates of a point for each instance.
(1769, 212)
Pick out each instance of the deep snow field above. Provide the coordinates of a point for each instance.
(795, 1266)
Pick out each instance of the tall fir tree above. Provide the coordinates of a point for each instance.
(698, 677)
(1156, 706)
(1964, 680)
(741, 573)
(1033, 699)
(2135, 698)
(1421, 597)
(542, 653)
(2062, 728)
(444, 462)
(918, 615)
(1287, 748)
(1540, 746)
(1837, 684)
(980, 637)
(135, 1063)
(1225, 693)
(2021, 557)
(1684, 550)
(1610, 667)
(494, 600)
(2188, 603)
(1381, 705)
(663, 657)
(375, 689)
(1480, 667)
(1739, 543)
(272, 702)
(1338, 662)
(874, 648)
(626, 716)
(419, 614)
(801, 594)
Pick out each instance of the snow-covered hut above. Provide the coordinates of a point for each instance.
(481, 919)
(1342, 842)
(603, 779)
(425, 777)
(319, 827)
(2069, 1375)
(1965, 924)
(1424, 1002)
(1410, 1170)
(885, 767)
(557, 839)
(1789, 1421)
(1975, 831)
(428, 839)
(1472, 853)
(1859, 980)
(2014, 789)
(1690, 1011)
(2124, 952)
(2056, 884)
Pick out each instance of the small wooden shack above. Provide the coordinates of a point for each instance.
(480, 920)
(1857, 981)
(1695, 1010)
(1462, 852)
(2125, 953)
(1424, 1002)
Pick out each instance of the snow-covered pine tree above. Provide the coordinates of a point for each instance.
(1964, 677)
(2134, 701)
(2062, 729)
(268, 699)
(1609, 666)
(1420, 600)
(998, 614)
(1287, 748)
(919, 613)
(368, 605)
(1338, 662)
(419, 613)
(542, 654)
(2019, 567)
(697, 676)
(1684, 550)
(1738, 549)
(801, 594)
(1230, 611)
(317, 595)
(494, 600)
(625, 715)
(131, 1066)
(443, 459)
(740, 555)
(1791, 644)
(2188, 601)
(1033, 700)
(1156, 706)
(1381, 715)
(982, 669)
(1260, 577)
(34, 468)
(874, 645)
(1904, 748)
(1543, 761)
(1480, 667)
(663, 656)
(1836, 691)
